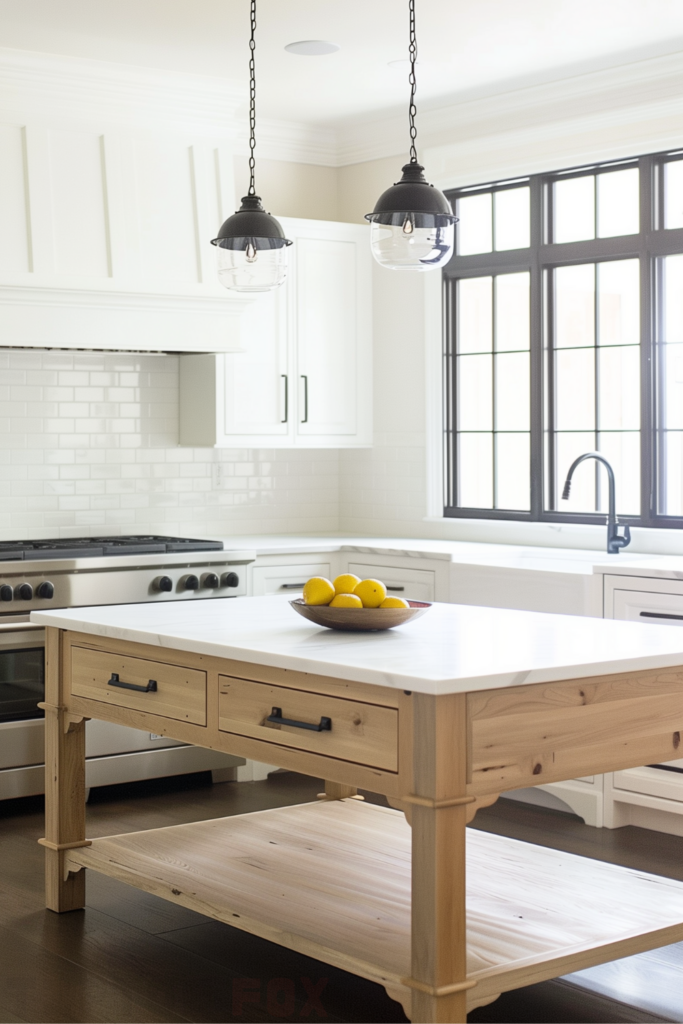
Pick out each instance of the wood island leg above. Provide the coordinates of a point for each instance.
(64, 786)
(439, 812)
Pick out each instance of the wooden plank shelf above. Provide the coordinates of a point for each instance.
(332, 880)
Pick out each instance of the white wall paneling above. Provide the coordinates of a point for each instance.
(15, 237)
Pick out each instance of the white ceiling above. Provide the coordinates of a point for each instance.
(467, 47)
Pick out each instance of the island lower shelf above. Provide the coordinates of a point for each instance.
(332, 880)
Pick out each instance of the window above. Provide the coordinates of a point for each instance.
(564, 334)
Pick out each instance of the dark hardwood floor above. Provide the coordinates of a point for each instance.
(131, 957)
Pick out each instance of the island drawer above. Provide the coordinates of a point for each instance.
(139, 684)
(351, 730)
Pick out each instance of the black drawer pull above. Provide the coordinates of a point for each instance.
(115, 681)
(396, 588)
(292, 586)
(659, 615)
(325, 724)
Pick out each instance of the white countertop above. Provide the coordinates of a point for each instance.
(450, 649)
(507, 556)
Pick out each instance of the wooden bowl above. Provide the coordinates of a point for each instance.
(359, 619)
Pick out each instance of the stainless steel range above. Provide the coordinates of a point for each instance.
(69, 573)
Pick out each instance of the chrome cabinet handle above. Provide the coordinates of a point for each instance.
(305, 380)
(286, 380)
(324, 725)
(115, 681)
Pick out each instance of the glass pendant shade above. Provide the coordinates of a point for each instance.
(251, 249)
(413, 225)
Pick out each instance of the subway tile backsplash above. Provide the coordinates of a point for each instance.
(89, 444)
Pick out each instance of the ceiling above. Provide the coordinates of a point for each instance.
(466, 47)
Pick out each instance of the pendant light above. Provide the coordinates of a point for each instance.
(251, 246)
(412, 223)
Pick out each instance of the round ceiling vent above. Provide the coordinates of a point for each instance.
(311, 48)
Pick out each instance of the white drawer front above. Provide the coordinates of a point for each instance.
(652, 609)
(416, 584)
(286, 579)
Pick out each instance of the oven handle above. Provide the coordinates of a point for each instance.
(115, 681)
(19, 627)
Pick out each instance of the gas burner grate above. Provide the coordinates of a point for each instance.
(94, 547)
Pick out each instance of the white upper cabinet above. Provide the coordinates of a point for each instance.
(305, 376)
(112, 189)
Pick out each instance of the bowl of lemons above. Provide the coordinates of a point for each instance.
(348, 602)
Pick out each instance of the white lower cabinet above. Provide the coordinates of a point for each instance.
(650, 796)
(285, 579)
(304, 378)
(414, 584)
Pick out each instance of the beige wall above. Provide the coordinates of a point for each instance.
(360, 186)
(291, 190)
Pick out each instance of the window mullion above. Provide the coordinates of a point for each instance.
(649, 301)
(536, 350)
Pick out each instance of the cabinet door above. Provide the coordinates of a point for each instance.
(287, 580)
(331, 321)
(413, 584)
(653, 609)
(257, 400)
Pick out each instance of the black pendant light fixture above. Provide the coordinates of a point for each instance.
(251, 245)
(412, 223)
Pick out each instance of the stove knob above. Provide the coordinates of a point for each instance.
(45, 590)
(163, 584)
(231, 579)
(210, 580)
(6, 592)
(190, 582)
(24, 591)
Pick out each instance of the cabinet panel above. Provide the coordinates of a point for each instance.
(257, 398)
(14, 214)
(305, 377)
(655, 609)
(77, 183)
(357, 731)
(286, 579)
(416, 584)
(167, 210)
(127, 682)
(326, 304)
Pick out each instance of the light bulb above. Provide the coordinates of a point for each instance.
(251, 269)
(407, 245)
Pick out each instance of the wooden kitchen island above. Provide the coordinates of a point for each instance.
(440, 716)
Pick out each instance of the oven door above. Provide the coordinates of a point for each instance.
(22, 668)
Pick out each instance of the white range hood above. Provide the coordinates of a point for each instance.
(114, 182)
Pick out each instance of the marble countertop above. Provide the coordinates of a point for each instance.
(508, 556)
(450, 649)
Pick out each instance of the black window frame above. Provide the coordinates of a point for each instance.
(650, 245)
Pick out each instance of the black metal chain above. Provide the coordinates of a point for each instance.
(252, 100)
(412, 110)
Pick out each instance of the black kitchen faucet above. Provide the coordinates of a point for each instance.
(615, 540)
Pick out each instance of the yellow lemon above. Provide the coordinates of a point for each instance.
(318, 590)
(371, 593)
(346, 583)
(346, 601)
(394, 602)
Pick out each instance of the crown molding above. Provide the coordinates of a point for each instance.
(291, 141)
(48, 87)
(652, 82)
